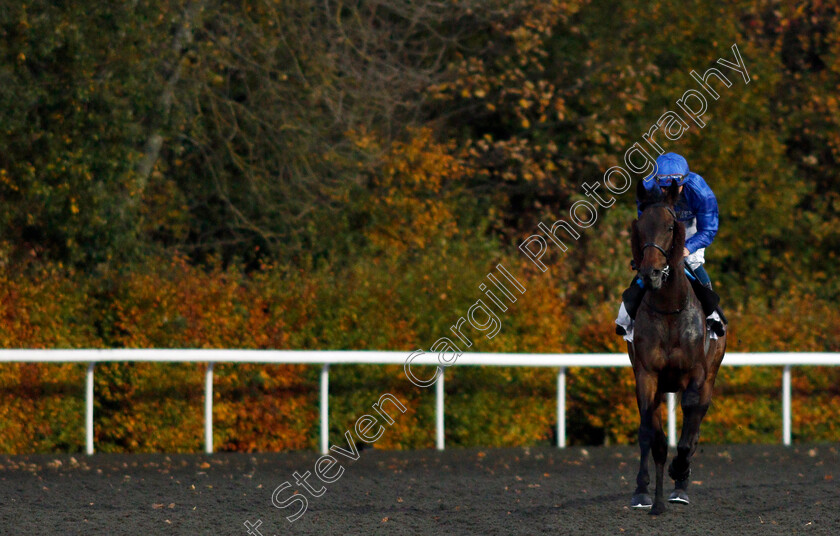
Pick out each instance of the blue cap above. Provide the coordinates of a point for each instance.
(670, 167)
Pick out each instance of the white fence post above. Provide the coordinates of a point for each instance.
(89, 408)
(439, 411)
(325, 409)
(561, 408)
(786, 406)
(672, 419)
(208, 408)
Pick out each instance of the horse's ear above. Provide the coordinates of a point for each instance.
(635, 246)
(673, 194)
(641, 191)
(677, 245)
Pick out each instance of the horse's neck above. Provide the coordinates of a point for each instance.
(672, 295)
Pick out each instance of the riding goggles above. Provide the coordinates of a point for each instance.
(665, 180)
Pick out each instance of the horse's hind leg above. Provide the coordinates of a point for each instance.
(695, 403)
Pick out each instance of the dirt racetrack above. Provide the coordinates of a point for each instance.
(737, 489)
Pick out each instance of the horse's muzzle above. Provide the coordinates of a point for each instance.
(653, 277)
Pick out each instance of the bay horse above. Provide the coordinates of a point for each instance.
(671, 350)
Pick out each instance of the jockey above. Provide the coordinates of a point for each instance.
(697, 209)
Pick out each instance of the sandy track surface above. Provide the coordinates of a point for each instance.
(736, 489)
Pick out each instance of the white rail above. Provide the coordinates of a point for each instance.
(331, 357)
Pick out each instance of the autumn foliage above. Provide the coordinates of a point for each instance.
(154, 407)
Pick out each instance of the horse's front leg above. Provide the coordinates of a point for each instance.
(660, 455)
(695, 402)
(648, 401)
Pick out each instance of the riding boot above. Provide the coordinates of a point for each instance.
(631, 299)
(716, 325)
(708, 298)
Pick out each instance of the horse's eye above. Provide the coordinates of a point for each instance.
(671, 228)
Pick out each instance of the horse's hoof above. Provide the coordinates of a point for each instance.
(658, 508)
(641, 500)
(678, 496)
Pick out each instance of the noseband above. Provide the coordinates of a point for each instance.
(665, 271)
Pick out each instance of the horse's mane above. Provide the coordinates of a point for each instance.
(648, 204)
(649, 198)
(653, 200)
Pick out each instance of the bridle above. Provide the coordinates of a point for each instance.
(667, 270)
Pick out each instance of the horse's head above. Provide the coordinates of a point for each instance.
(657, 237)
